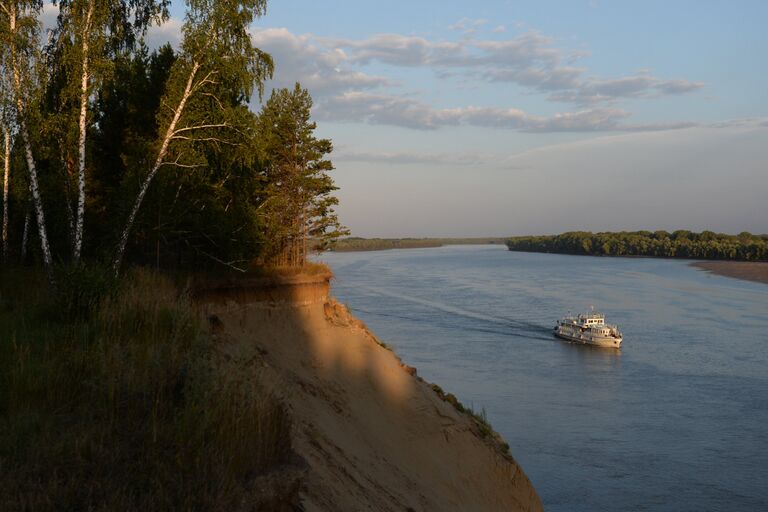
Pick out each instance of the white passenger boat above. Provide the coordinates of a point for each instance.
(589, 329)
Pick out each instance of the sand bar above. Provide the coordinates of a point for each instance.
(748, 270)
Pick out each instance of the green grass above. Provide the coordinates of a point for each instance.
(123, 403)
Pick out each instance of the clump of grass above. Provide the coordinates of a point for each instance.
(130, 408)
(480, 419)
(449, 397)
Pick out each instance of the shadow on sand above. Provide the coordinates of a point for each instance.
(374, 436)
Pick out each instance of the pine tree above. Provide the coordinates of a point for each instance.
(298, 208)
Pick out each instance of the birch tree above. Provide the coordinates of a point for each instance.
(215, 72)
(21, 30)
(87, 31)
(6, 120)
(6, 184)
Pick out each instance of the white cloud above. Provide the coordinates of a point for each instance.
(529, 60)
(399, 50)
(386, 109)
(468, 26)
(168, 32)
(48, 17)
(334, 71)
(324, 71)
(596, 90)
(408, 158)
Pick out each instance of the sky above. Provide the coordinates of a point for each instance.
(497, 117)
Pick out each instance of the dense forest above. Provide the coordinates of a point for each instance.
(678, 244)
(113, 151)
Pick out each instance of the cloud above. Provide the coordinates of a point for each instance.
(324, 71)
(48, 17)
(561, 78)
(748, 124)
(523, 160)
(529, 60)
(334, 70)
(382, 109)
(467, 26)
(596, 90)
(524, 50)
(408, 158)
(407, 112)
(168, 32)
(399, 50)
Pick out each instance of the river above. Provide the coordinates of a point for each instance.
(677, 420)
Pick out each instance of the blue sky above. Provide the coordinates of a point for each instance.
(510, 117)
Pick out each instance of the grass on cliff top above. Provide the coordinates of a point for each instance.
(309, 268)
(128, 407)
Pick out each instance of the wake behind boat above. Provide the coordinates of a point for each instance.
(588, 329)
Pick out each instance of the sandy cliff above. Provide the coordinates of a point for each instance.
(373, 435)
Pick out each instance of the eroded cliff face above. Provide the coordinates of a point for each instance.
(372, 434)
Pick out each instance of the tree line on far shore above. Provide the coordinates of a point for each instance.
(662, 244)
(113, 152)
(350, 244)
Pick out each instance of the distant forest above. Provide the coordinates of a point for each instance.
(679, 244)
(350, 244)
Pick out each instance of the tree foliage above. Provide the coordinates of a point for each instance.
(679, 244)
(89, 34)
(298, 206)
(157, 153)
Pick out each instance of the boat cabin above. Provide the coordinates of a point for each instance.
(592, 320)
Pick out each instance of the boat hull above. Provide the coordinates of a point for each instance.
(595, 341)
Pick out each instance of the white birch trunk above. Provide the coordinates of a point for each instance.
(37, 203)
(25, 236)
(78, 235)
(31, 168)
(6, 184)
(67, 200)
(119, 253)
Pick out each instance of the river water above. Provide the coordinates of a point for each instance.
(677, 420)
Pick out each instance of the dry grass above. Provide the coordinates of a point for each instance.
(310, 268)
(130, 408)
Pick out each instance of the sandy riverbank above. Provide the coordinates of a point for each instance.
(372, 434)
(748, 270)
